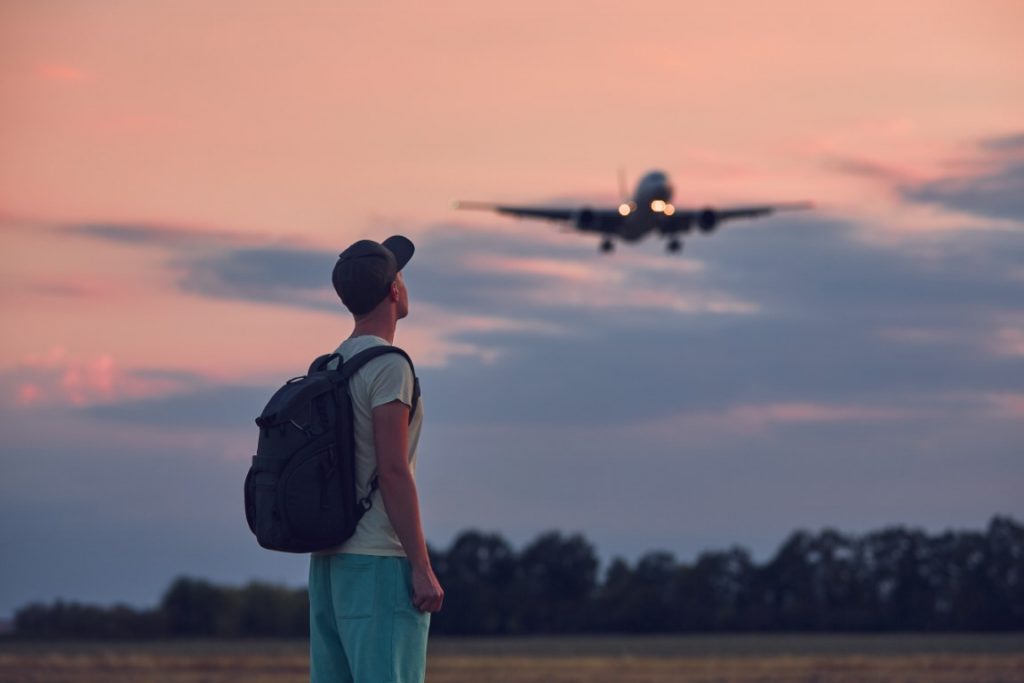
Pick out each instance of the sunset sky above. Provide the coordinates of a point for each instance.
(178, 177)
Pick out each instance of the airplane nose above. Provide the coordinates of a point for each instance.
(662, 193)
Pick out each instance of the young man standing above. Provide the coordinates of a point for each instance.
(370, 598)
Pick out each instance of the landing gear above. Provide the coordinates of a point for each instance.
(607, 246)
(674, 246)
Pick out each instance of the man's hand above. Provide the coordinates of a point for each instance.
(427, 594)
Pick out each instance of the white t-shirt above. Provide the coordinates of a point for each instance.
(382, 380)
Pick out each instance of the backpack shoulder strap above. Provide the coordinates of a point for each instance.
(352, 365)
(349, 367)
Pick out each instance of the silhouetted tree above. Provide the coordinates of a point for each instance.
(557, 579)
(268, 610)
(479, 574)
(1005, 574)
(893, 579)
(70, 619)
(715, 591)
(639, 600)
(193, 607)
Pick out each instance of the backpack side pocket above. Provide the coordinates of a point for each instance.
(262, 512)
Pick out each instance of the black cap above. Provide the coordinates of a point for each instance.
(364, 272)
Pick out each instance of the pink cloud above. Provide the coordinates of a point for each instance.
(76, 287)
(918, 335)
(1009, 341)
(1005, 406)
(810, 413)
(28, 393)
(54, 377)
(753, 418)
(647, 298)
(1004, 337)
(558, 269)
(606, 284)
(890, 175)
(437, 342)
(90, 381)
(61, 72)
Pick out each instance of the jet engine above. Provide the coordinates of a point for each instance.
(707, 220)
(584, 218)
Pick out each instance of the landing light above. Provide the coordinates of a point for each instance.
(657, 206)
(624, 209)
(669, 210)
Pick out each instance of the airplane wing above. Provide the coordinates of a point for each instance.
(585, 219)
(757, 211)
(559, 214)
(708, 219)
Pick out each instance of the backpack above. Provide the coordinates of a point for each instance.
(300, 492)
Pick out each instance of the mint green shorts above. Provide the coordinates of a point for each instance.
(363, 627)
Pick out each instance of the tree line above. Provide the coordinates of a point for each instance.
(895, 579)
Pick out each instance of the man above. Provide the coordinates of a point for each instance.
(370, 598)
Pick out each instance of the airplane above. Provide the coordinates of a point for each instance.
(650, 210)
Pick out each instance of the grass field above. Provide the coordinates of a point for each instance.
(687, 659)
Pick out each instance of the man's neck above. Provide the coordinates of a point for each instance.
(385, 329)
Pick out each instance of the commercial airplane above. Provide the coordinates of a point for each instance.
(649, 211)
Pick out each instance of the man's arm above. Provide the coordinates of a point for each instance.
(398, 490)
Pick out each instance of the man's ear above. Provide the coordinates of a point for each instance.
(394, 293)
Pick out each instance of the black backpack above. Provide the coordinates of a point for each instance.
(300, 492)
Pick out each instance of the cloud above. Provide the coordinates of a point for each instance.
(559, 270)
(945, 194)
(603, 286)
(221, 264)
(832, 322)
(517, 277)
(1006, 405)
(797, 413)
(62, 72)
(995, 194)
(1009, 341)
(58, 383)
(871, 170)
(791, 311)
(465, 277)
(221, 407)
(617, 377)
(1013, 144)
(521, 275)
(986, 185)
(56, 377)
(69, 287)
(277, 275)
(897, 412)
(143, 234)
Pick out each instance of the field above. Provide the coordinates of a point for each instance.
(687, 659)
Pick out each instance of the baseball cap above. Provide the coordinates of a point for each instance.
(364, 272)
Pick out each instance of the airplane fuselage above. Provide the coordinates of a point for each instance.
(651, 203)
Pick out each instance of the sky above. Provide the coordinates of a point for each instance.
(177, 179)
